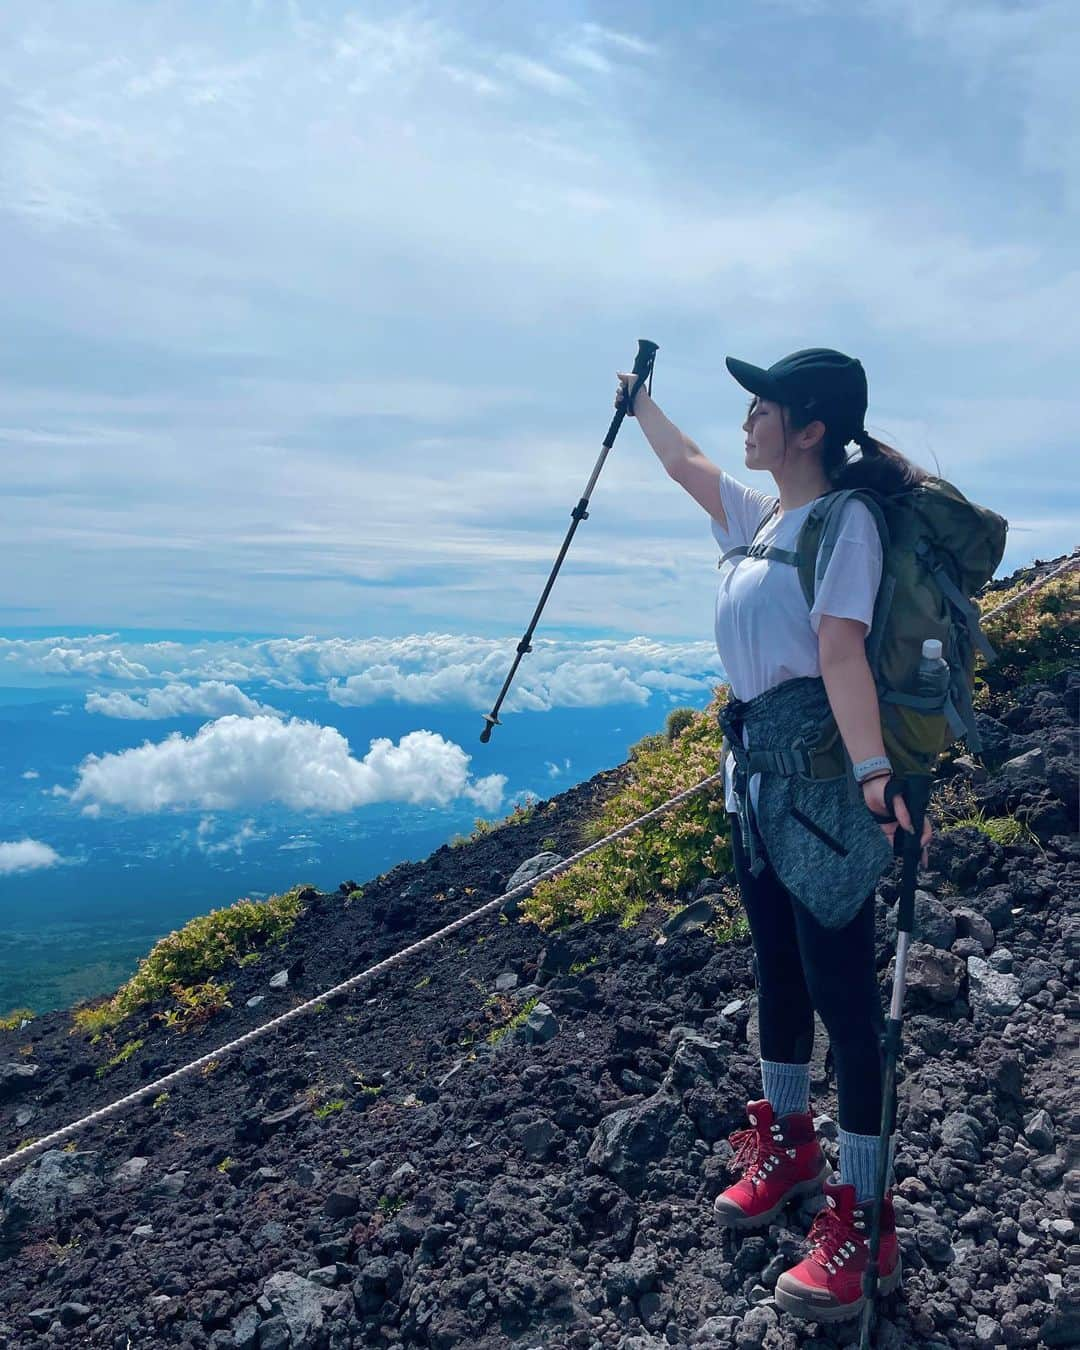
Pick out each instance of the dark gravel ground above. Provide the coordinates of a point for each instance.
(556, 1189)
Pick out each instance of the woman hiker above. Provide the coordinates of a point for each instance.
(813, 932)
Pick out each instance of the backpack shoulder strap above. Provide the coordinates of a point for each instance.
(820, 531)
(766, 551)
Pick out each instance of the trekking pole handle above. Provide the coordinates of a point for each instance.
(643, 369)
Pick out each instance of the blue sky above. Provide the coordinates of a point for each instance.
(312, 310)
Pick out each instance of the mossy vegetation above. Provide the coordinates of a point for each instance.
(13, 1020)
(1035, 639)
(121, 1057)
(956, 807)
(196, 1004)
(731, 921)
(496, 1034)
(518, 816)
(188, 956)
(658, 860)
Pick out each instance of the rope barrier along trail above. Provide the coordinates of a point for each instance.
(30, 1150)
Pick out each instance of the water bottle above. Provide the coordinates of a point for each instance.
(932, 677)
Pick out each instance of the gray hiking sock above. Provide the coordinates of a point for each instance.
(859, 1163)
(787, 1086)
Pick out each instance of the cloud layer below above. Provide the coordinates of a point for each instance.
(203, 678)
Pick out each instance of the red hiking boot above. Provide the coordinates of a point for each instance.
(779, 1159)
(827, 1285)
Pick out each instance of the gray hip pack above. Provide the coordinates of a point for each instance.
(823, 844)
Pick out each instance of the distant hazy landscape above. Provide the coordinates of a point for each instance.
(125, 873)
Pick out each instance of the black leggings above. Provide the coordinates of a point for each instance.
(802, 966)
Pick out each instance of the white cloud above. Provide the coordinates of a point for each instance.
(72, 661)
(31, 773)
(237, 762)
(538, 75)
(212, 699)
(629, 42)
(94, 656)
(232, 843)
(26, 855)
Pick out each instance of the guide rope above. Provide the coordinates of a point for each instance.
(32, 1149)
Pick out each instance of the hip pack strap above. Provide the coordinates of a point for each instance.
(791, 760)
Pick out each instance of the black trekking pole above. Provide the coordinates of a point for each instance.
(916, 793)
(643, 367)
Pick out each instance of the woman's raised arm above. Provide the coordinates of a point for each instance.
(681, 458)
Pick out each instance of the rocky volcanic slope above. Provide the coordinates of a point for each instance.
(556, 1189)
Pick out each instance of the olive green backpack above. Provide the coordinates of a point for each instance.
(938, 549)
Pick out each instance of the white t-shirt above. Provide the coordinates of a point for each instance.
(765, 633)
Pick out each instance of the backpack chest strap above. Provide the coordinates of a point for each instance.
(766, 551)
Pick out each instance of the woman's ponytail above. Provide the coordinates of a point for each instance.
(878, 467)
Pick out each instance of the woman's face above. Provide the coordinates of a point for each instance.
(764, 435)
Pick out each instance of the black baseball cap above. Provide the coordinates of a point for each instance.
(816, 381)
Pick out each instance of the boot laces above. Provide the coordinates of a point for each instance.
(833, 1240)
(753, 1150)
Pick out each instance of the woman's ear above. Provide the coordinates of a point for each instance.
(813, 434)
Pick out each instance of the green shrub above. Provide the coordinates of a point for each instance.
(659, 859)
(189, 954)
(328, 1109)
(1034, 640)
(496, 1034)
(655, 740)
(196, 1004)
(731, 921)
(955, 807)
(678, 719)
(13, 1020)
(121, 1057)
(580, 967)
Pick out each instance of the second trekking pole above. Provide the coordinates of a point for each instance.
(643, 367)
(916, 793)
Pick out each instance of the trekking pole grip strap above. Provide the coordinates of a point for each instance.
(643, 368)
